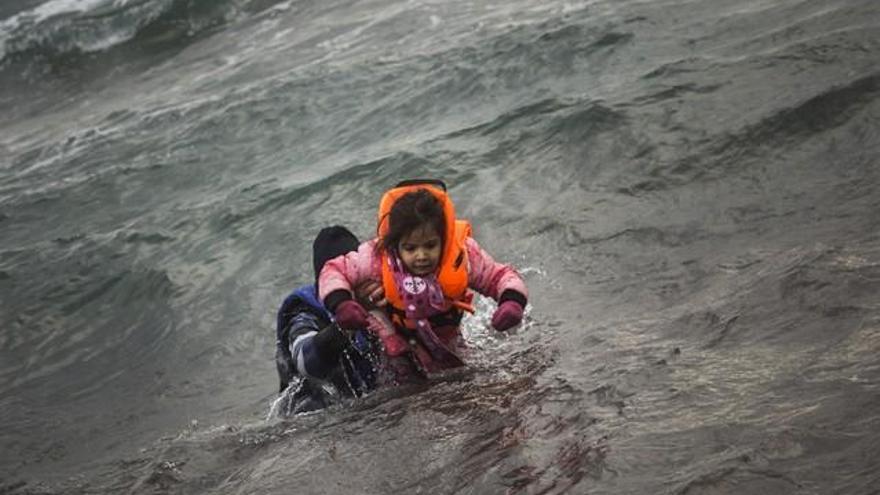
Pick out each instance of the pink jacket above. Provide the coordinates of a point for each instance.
(484, 275)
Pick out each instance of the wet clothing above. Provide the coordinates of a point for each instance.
(309, 346)
(433, 350)
(485, 275)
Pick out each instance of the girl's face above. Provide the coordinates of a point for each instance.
(420, 250)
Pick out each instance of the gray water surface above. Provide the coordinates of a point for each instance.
(691, 190)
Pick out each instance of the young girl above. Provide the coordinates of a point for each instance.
(426, 262)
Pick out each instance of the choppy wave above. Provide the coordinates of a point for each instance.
(58, 35)
(690, 189)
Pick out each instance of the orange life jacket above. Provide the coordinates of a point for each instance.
(451, 272)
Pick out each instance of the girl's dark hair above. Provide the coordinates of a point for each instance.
(413, 210)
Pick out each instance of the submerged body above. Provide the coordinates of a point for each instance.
(312, 354)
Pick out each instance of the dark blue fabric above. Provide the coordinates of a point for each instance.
(305, 295)
(302, 313)
(315, 364)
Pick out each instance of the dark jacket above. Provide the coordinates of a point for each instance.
(309, 346)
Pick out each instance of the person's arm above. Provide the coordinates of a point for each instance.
(490, 278)
(283, 360)
(341, 274)
(315, 351)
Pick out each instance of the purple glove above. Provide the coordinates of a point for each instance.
(507, 316)
(350, 315)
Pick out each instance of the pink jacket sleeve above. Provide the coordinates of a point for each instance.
(485, 275)
(488, 277)
(349, 270)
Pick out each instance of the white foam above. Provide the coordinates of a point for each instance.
(26, 20)
(109, 41)
(58, 7)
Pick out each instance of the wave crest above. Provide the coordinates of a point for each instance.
(61, 31)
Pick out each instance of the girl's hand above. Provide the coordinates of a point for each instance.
(350, 315)
(508, 315)
(372, 293)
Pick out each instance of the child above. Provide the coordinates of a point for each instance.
(426, 261)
